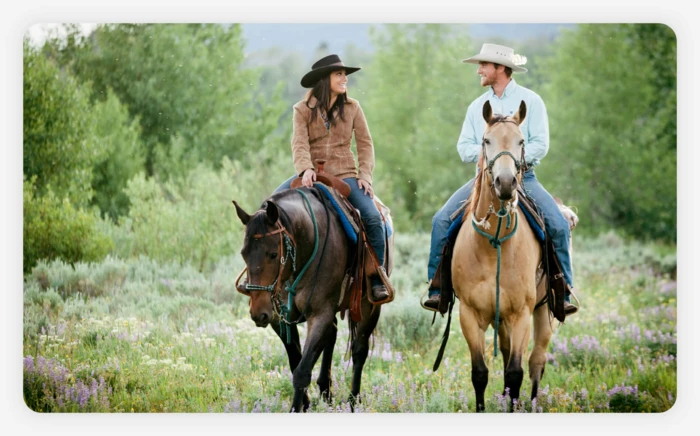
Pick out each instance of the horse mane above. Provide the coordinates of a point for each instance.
(258, 223)
(476, 191)
(497, 118)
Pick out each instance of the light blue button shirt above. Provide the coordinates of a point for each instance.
(535, 128)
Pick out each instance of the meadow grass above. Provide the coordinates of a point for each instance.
(141, 336)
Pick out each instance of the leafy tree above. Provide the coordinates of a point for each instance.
(418, 91)
(125, 155)
(183, 82)
(60, 146)
(613, 149)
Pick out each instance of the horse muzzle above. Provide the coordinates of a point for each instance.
(505, 185)
(262, 319)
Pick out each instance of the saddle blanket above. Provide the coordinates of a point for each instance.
(351, 228)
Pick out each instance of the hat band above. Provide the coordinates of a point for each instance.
(337, 64)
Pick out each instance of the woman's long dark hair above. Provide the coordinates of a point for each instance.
(322, 92)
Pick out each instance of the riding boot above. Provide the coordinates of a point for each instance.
(569, 309)
(379, 292)
(433, 301)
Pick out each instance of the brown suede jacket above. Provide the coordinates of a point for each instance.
(313, 141)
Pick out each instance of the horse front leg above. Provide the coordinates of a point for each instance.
(542, 334)
(504, 346)
(293, 349)
(325, 376)
(317, 327)
(360, 347)
(520, 335)
(474, 334)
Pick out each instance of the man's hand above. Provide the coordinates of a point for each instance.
(365, 187)
(309, 178)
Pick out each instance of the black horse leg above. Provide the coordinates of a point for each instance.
(360, 347)
(293, 353)
(325, 376)
(317, 329)
(520, 335)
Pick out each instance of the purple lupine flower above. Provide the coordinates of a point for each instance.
(29, 364)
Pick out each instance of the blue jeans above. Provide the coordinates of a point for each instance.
(369, 213)
(557, 226)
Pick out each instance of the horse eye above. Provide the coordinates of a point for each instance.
(522, 142)
(272, 256)
(486, 141)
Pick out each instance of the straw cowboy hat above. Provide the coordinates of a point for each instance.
(324, 67)
(499, 54)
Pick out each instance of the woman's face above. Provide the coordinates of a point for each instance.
(339, 82)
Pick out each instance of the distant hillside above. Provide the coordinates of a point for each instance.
(305, 38)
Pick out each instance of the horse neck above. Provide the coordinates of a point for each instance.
(301, 226)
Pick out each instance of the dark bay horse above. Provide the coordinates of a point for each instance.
(495, 264)
(297, 253)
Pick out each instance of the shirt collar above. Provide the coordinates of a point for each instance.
(510, 88)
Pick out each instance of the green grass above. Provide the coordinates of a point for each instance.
(136, 335)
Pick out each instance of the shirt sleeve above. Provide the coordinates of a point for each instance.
(468, 145)
(365, 147)
(301, 150)
(537, 137)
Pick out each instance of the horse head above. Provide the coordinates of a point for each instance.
(503, 138)
(263, 252)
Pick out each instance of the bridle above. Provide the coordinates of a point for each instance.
(286, 241)
(519, 164)
(287, 249)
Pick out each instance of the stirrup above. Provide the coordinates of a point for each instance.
(422, 299)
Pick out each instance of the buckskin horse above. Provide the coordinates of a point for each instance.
(296, 237)
(495, 264)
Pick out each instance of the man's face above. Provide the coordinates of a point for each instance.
(487, 72)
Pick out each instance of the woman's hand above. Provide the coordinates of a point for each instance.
(309, 178)
(365, 187)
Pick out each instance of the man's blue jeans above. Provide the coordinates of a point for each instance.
(557, 226)
(368, 212)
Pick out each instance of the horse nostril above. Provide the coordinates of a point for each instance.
(497, 182)
(263, 317)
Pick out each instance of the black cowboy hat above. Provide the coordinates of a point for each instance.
(323, 67)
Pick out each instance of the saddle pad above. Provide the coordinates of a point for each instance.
(351, 228)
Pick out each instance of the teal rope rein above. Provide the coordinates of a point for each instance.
(285, 309)
(496, 243)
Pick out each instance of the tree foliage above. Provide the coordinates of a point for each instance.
(182, 82)
(60, 146)
(612, 110)
(418, 91)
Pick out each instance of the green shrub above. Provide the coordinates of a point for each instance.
(55, 229)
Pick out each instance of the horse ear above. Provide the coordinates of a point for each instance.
(488, 112)
(522, 111)
(271, 211)
(242, 215)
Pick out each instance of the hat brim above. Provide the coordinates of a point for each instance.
(312, 77)
(496, 60)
